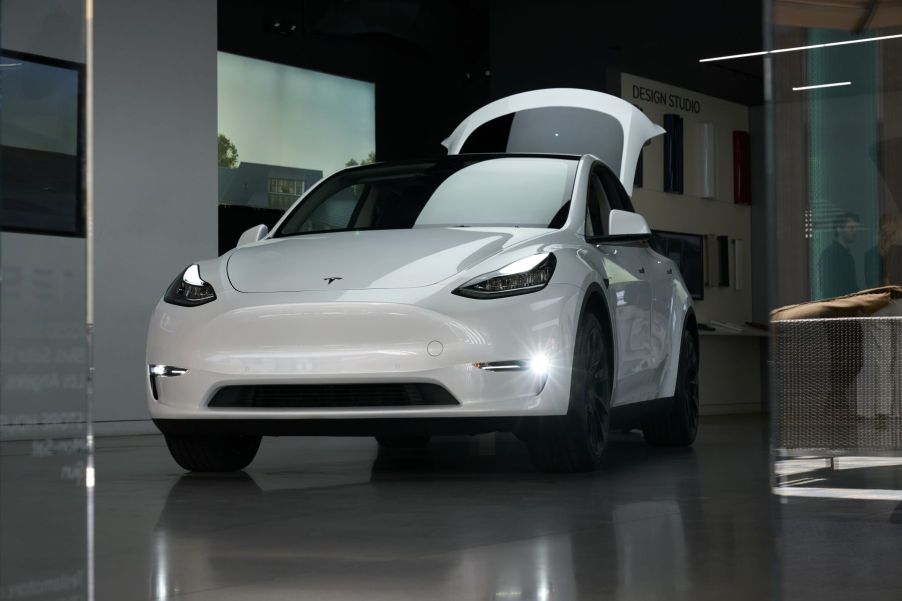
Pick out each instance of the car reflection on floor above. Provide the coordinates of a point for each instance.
(466, 518)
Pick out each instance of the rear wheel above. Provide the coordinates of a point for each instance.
(679, 427)
(403, 442)
(575, 442)
(227, 453)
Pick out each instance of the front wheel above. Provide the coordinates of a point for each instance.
(227, 453)
(679, 427)
(575, 442)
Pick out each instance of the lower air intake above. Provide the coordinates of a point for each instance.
(318, 396)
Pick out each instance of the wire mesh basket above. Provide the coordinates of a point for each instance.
(839, 383)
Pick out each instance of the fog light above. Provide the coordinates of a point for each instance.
(502, 365)
(162, 371)
(166, 371)
(540, 364)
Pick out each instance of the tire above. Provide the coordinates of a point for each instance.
(228, 453)
(680, 426)
(575, 442)
(402, 442)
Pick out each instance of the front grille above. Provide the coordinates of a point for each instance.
(332, 395)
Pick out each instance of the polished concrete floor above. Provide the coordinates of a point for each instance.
(468, 518)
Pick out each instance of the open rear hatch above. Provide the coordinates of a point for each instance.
(561, 121)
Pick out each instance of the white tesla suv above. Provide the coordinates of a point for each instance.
(508, 286)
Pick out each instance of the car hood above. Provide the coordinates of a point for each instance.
(367, 259)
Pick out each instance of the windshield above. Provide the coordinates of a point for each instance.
(456, 192)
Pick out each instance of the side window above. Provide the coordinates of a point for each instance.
(617, 195)
(597, 208)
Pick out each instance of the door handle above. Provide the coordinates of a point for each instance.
(641, 270)
(670, 270)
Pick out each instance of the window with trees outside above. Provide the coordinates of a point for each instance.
(283, 128)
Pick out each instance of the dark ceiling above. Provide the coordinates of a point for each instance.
(525, 44)
(666, 39)
(434, 62)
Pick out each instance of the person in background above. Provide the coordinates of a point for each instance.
(883, 262)
(837, 277)
(890, 248)
(881, 351)
(836, 266)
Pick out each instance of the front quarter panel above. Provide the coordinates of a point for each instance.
(680, 307)
(370, 336)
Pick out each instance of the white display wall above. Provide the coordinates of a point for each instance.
(731, 378)
(691, 212)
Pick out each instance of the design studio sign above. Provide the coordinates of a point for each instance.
(666, 99)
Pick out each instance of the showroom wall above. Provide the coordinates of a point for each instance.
(42, 297)
(154, 200)
(696, 210)
(733, 370)
(50, 28)
(155, 178)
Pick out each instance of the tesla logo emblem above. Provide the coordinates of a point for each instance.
(330, 280)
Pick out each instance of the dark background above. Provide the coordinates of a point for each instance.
(434, 62)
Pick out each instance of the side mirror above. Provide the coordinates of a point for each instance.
(625, 223)
(252, 235)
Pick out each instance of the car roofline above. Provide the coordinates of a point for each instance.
(450, 157)
(465, 156)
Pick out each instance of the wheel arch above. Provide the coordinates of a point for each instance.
(669, 376)
(691, 323)
(595, 302)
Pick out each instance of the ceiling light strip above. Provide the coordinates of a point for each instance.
(728, 57)
(822, 85)
(868, 494)
(799, 48)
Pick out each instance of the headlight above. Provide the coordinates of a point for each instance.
(520, 277)
(189, 289)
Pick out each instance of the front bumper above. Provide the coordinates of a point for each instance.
(381, 336)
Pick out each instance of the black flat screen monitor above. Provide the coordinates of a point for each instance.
(687, 251)
(41, 145)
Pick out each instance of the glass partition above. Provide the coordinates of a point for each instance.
(836, 205)
(46, 475)
(834, 85)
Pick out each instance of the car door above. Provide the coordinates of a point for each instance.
(659, 276)
(624, 265)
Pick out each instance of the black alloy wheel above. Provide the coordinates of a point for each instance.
(598, 391)
(679, 427)
(576, 442)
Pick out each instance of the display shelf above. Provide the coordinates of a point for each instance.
(749, 332)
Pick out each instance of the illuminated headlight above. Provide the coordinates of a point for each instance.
(189, 289)
(520, 277)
